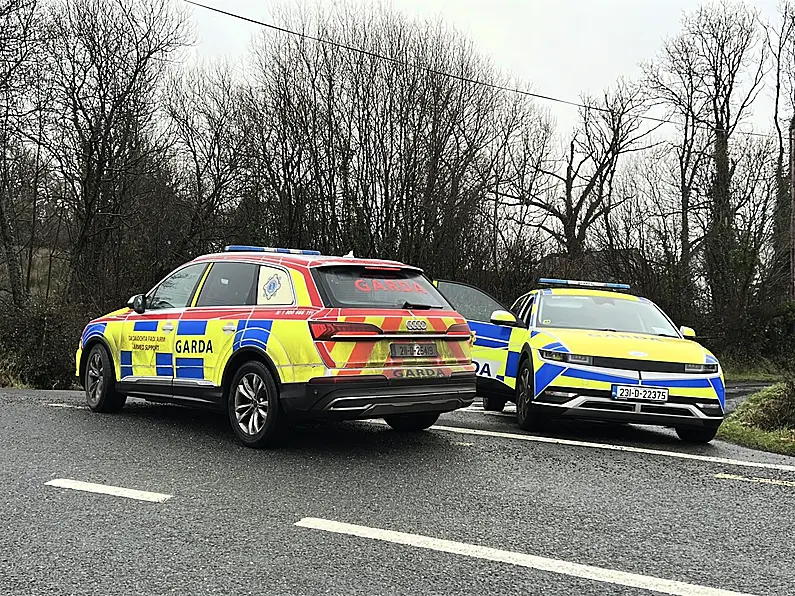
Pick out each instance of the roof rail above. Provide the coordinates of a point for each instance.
(286, 251)
(546, 281)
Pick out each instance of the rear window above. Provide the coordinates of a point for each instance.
(365, 287)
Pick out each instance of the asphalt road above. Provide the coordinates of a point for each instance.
(229, 526)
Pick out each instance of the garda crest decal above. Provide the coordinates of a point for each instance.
(272, 286)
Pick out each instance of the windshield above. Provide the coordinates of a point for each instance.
(373, 287)
(603, 313)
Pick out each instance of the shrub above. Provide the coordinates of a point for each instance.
(38, 344)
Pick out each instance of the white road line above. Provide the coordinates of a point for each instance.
(115, 491)
(610, 576)
(608, 447)
(755, 479)
(73, 407)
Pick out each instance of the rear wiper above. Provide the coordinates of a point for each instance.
(414, 306)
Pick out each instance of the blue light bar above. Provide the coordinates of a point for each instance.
(286, 251)
(586, 284)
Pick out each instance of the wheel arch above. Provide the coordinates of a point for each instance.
(87, 350)
(242, 356)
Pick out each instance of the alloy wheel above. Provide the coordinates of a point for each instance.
(251, 404)
(96, 378)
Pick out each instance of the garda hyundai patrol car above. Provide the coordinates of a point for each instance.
(273, 335)
(589, 350)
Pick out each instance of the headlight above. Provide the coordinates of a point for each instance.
(565, 357)
(701, 368)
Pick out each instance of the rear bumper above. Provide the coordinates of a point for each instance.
(358, 398)
(677, 412)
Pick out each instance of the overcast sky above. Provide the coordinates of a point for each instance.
(562, 48)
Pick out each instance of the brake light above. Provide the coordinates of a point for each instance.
(329, 330)
(461, 329)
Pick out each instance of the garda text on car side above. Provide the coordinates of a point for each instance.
(280, 335)
(581, 349)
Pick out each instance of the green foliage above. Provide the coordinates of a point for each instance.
(766, 420)
(38, 344)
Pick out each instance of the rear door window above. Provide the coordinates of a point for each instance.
(375, 287)
(229, 284)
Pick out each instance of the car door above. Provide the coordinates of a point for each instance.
(207, 329)
(498, 343)
(146, 358)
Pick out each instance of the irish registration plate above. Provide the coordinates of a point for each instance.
(413, 350)
(634, 392)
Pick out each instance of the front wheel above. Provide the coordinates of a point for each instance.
(702, 434)
(527, 417)
(253, 406)
(412, 422)
(493, 404)
(100, 382)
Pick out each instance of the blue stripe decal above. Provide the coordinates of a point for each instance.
(254, 333)
(145, 326)
(125, 357)
(689, 383)
(512, 365)
(576, 373)
(720, 391)
(545, 375)
(190, 373)
(192, 328)
(490, 331)
(164, 359)
(500, 378)
(126, 371)
(533, 333)
(491, 343)
(190, 362)
(164, 371)
(93, 330)
(555, 347)
(710, 359)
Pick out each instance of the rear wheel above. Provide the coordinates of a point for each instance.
(100, 382)
(493, 404)
(253, 406)
(412, 422)
(527, 417)
(702, 434)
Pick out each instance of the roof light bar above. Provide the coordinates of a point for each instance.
(587, 284)
(286, 251)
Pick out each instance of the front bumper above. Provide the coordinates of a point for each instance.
(352, 398)
(593, 405)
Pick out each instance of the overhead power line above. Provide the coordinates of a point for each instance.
(440, 73)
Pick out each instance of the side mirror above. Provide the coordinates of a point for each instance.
(688, 332)
(137, 303)
(503, 317)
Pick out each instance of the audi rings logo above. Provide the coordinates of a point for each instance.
(416, 325)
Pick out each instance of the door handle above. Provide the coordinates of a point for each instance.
(229, 328)
(168, 327)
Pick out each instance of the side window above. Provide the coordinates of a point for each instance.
(472, 303)
(274, 287)
(229, 284)
(516, 307)
(177, 289)
(527, 309)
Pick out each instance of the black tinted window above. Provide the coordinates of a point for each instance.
(364, 287)
(229, 284)
(473, 304)
(176, 290)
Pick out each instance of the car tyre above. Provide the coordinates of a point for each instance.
(494, 404)
(703, 434)
(527, 416)
(412, 422)
(253, 406)
(100, 382)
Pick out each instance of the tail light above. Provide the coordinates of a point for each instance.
(332, 330)
(461, 329)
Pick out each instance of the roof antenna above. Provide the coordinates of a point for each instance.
(350, 255)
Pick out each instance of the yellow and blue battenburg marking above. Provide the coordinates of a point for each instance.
(252, 332)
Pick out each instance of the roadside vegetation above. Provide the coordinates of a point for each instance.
(766, 420)
(120, 158)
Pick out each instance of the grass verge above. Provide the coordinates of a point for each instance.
(766, 421)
